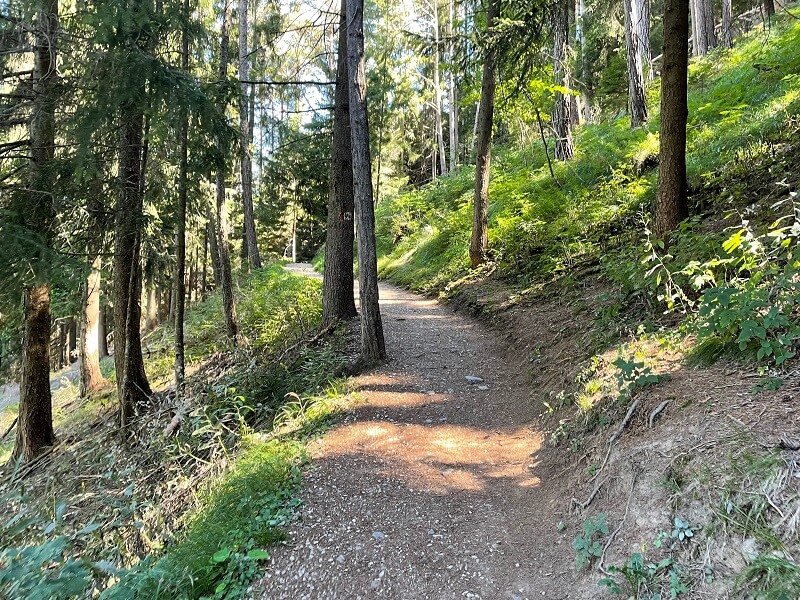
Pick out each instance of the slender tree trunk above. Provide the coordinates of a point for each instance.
(89, 355)
(769, 10)
(586, 103)
(180, 227)
(246, 158)
(211, 230)
(338, 301)
(225, 276)
(562, 122)
(707, 23)
(671, 201)
(437, 90)
(726, 33)
(132, 384)
(695, 33)
(641, 14)
(479, 240)
(72, 340)
(452, 91)
(636, 98)
(102, 332)
(373, 347)
(204, 276)
(151, 314)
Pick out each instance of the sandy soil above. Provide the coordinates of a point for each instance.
(429, 488)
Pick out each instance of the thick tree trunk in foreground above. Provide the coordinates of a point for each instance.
(484, 121)
(636, 99)
(562, 122)
(373, 347)
(132, 384)
(246, 158)
(89, 354)
(338, 301)
(671, 202)
(223, 248)
(35, 418)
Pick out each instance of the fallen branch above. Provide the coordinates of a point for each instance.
(616, 435)
(656, 412)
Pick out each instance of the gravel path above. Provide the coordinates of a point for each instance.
(428, 489)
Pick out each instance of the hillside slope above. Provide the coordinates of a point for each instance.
(666, 379)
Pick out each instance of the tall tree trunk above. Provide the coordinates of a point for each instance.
(695, 28)
(479, 240)
(35, 418)
(89, 354)
(437, 90)
(246, 158)
(338, 301)
(726, 33)
(636, 99)
(641, 18)
(671, 201)
(132, 384)
(452, 90)
(180, 227)
(211, 232)
(586, 103)
(373, 347)
(562, 122)
(225, 276)
(707, 23)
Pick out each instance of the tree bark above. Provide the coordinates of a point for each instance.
(703, 26)
(180, 227)
(102, 332)
(246, 158)
(769, 9)
(89, 355)
(338, 301)
(225, 280)
(671, 201)
(641, 13)
(437, 90)
(484, 121)
(562, 122)
(373, 347)
(452, 91)
(35, 417)
(132, 384)
(636, 98)
(726, 33)
(151, 314)
(586, 103)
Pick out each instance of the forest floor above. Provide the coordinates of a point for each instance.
(429, 487)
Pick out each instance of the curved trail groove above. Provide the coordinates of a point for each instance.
(428, 488)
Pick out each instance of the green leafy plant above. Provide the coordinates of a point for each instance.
(642, 580)
(587, 546)
(682, 530)
(633, 376)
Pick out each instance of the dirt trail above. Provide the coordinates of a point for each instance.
(429, 488)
